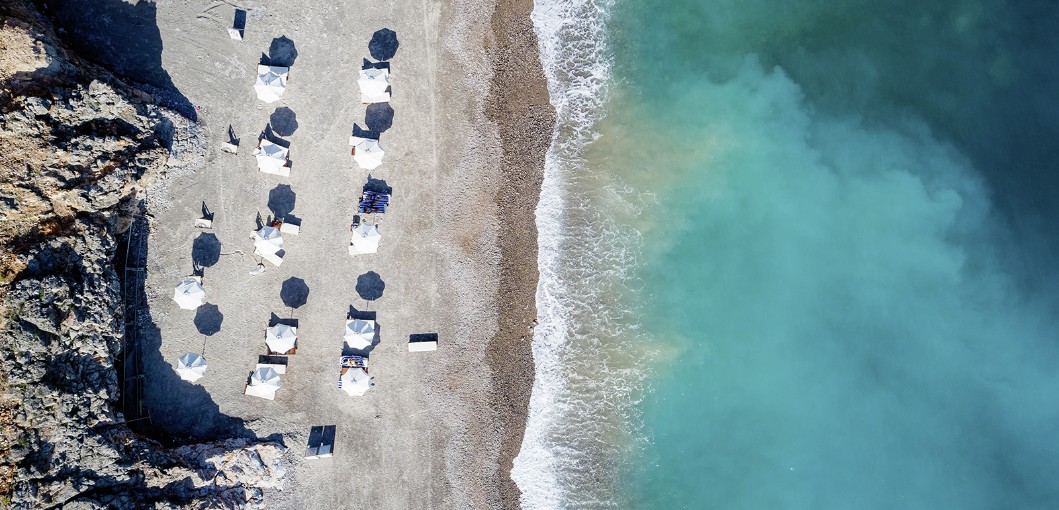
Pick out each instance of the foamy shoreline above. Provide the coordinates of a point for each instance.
(520, 106)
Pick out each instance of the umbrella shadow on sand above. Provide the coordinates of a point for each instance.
(281, 200)
(378, 117)
(383, 44)
(208, 319)
(377, 185)
(281, 53)
(205, 251)
(370, 286)
(294, 293)
(284, 121)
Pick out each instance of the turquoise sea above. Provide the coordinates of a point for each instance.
(799, 255)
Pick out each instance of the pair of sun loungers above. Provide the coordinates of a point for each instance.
(373, 202)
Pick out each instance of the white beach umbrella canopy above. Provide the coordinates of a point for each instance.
(271, 157)
(365, 239)
(360, 333)
(368, 154)
(189, 294)
(373, 82)
(263, 383)
(268, 240)
(281, 337)
(191, 367)
(271, 82)
(356, 382)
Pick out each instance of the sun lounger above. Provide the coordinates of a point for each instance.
(381, 98)
(291, 352)
(422, 346)
(279, 368)
(289, 228)
(372, 202)
(203, 223)
(254, 392)
(324, 451)
(272, 158)
(271, 257)
(348, 362)
(321, 442)
(423, 342)
(283, 171)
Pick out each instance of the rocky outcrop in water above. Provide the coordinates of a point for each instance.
(77, 147)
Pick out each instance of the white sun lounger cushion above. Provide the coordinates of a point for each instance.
(271, 257)
(280, 369)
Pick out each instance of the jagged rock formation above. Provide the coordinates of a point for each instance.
(76, 147)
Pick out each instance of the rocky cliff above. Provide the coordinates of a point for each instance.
(77, 147)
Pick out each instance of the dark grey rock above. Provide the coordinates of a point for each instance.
(89, 146)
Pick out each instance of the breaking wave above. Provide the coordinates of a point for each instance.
(582, 410)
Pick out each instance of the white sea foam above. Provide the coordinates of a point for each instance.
(586, 382)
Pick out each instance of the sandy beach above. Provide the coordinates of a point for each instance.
(439, 429)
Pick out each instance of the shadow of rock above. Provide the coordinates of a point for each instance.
(208, 319)
(180, 410)
(206, 250)
(370, 286)
(284, 121)
(281, 200)
(379, 117)
(294, 292)
(281, 52)
(383, 44)
(122, 37)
